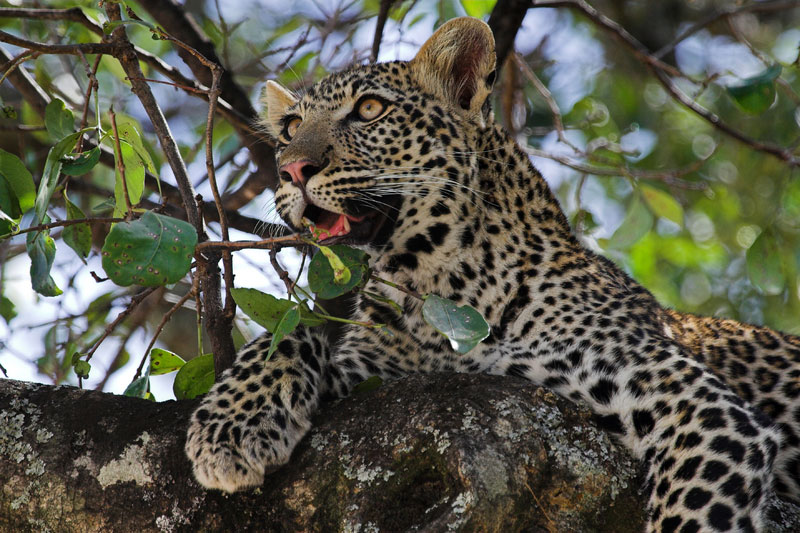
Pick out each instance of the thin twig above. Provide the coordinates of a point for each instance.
(662, 71)
(670, 177)
(191, 292)
(227, 262)
(723, 12)
(288, 240)
(120, 164)
(383, 14)
(135, 301)
(71, 49)
(273, 259)
(71, 222)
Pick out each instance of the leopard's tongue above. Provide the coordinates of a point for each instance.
(333, 225)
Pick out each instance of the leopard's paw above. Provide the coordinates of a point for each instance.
(231, 456)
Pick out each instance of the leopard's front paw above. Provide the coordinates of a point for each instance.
(231, 454)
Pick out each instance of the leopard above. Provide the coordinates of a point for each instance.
(404, 160)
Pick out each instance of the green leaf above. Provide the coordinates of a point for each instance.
(80, 164)
(286, 325)
(463, 325)
(662, 204)
(58, 120)
(134, 177)
(138, 387)
(152, 251)
(194, 378)
(52, 169)
(267, 311)
(637, 222)
(478, 8)
(164, 362)
(321, 278)
(765, 263)
(19, 179)
(42, 251)
(367, 385)
(7, 309)
(79, 236)
(756, 94)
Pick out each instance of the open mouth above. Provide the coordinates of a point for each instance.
(369, 226)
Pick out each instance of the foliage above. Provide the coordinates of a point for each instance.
(699, 208)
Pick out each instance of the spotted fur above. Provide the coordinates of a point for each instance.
(447, 203)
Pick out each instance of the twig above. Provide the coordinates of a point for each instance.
(130, 63)
(724, 12)
(135, 301)
(287, 240)
(273, 259)
(71, 222)
(93, 85)
(669, 177)
(191, 292)
(230, 305)
(410, 292)
(120, 164)
(383, 14)
(74, 14)
(548, 98)
(71, 49)
(660, 70)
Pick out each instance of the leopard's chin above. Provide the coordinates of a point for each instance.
(359, 226)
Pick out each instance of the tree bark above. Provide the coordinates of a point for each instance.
(425, 453)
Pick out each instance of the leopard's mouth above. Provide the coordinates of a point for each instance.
(364, 226)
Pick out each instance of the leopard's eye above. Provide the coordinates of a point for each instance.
(291, 127)
(370, 108)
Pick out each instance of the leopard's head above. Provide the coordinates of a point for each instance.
(378, 155)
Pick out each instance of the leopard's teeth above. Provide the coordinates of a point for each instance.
(306, 222)
(346, 226)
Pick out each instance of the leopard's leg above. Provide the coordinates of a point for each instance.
(708, 454)
(254, 416)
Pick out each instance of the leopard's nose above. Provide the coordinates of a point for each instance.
(299, 172)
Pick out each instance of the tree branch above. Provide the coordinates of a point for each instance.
(505, 21)
(659, 70)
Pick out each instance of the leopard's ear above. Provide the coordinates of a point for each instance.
(457, 63)
(277, 100)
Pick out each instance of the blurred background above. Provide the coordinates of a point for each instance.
(708, 223)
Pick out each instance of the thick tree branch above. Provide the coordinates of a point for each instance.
(505, 21)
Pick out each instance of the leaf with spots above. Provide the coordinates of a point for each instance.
(152, 251)
(322, 277)
(463, 325)
(194, 378)
(267, 311)
(288, 322)
(164, 362)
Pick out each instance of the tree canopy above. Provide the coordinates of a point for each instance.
(131, 157)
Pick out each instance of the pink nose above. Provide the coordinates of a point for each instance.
(299, 171)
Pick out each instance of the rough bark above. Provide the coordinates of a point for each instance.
(426, 453)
